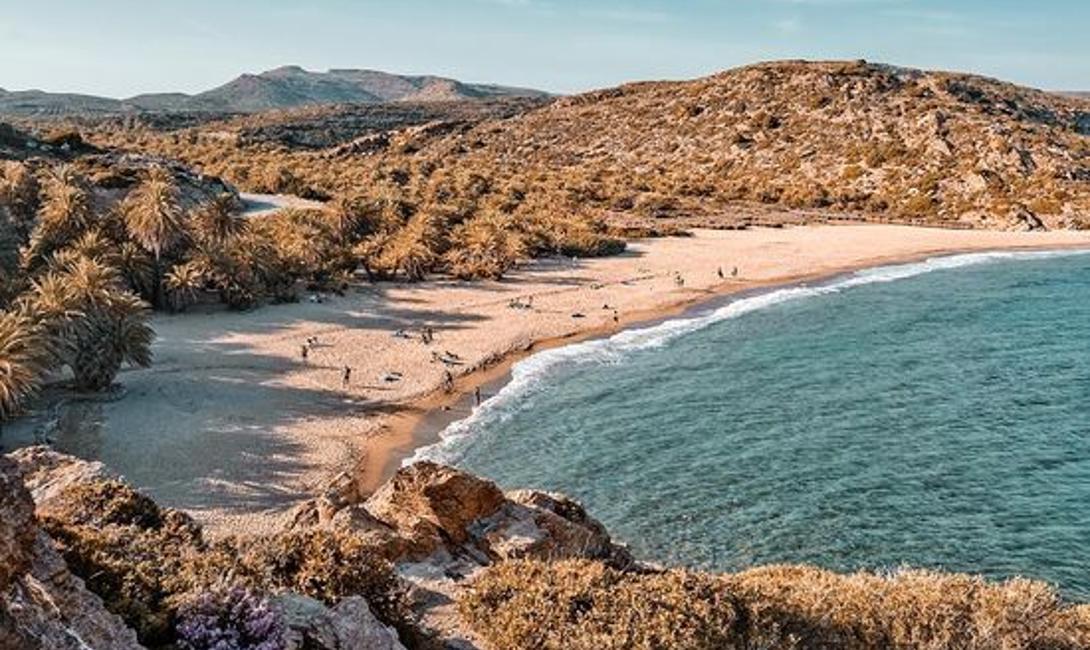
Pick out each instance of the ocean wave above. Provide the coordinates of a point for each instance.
(533, 373)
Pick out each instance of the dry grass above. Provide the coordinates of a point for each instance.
(578, 604)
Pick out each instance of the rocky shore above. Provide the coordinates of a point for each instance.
(438, 558)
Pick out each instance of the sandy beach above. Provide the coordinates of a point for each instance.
(232, 424)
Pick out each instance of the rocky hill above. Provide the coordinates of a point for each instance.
(846, 137)
(782, 142)
(284, 87)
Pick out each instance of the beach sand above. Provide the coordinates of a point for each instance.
(232, 425)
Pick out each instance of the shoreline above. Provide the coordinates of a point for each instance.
(422, 420)
(233, 426)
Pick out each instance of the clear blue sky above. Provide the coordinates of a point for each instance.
(123, 47)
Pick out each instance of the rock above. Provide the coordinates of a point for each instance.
(47, 473)
(17, 524)
(42, 605)
(1023, 219)
(433, 504)
(349, 626)
(546, 526)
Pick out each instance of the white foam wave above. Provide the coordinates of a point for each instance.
(532, 374)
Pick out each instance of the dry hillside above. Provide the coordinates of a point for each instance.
(846, 138)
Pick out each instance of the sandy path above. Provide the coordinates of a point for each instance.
(232, 425)
(257, 205)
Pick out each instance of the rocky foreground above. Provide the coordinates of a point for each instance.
(440, 558)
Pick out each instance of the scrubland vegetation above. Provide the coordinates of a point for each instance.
(857, 139)
(153, 567)
(582, 605)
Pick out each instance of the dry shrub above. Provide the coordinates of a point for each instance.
(145, 562)
(581, 604)
(323, 564)
(578, 605)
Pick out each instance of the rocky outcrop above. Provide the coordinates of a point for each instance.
(43, 606)
(429, 510)
(440, 526)
(17, 525)
(350, 625)
(47, 474)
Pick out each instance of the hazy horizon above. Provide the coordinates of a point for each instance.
(560, 46)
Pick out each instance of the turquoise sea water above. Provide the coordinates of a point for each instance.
(931, 415)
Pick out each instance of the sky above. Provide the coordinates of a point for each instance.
(120, 48)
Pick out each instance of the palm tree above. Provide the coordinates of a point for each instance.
(122, 334)
(25, 352)
(415, 250)
(153, 219)
(19, 193)
(64, 214)
(216, 221)
(97, 324)
(137, 269)
(182, 284)
(485, 247)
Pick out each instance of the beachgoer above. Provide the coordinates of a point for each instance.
(304, 351)
(448, 381)
(346, 376)
(720, 272)
(734, 272)
(477, 395)
(615, 319)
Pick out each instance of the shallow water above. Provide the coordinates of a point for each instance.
(939, 420)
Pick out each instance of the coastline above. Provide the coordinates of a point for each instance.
(231, 425)
(423, 420)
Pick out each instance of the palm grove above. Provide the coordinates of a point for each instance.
(80, 273)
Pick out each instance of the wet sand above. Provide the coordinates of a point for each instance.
(233, 425)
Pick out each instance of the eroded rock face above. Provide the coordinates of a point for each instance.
(42, 605)
(17, 524)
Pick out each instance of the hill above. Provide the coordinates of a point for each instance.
(284, 87)
(785, 141)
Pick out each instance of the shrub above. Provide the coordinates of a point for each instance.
(579, 604)
(229, 619)
(574, 605)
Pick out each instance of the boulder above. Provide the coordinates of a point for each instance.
(545, 526)
(349, 626)
(433, 504)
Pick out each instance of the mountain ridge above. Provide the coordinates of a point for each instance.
(288, 86)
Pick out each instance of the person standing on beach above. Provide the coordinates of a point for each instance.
(477, 395)
(304, 351)
(346, 376)
(448, 381)
(734, 272)
(720, 272)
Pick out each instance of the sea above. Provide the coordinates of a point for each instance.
(927, 415)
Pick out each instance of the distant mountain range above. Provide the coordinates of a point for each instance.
(284, 87)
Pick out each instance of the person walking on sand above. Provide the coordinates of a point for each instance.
(477, 395)
(346, 376)
(304, 351)
(720, 272)
(448, 382)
